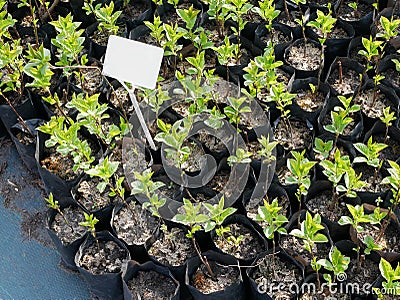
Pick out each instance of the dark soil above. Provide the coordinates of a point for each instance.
(309, 101)
(349, 83)
(271, 271)
(366, 99)
(58, 164)
(321, 204)
(297, 136)
(248, 247)
(151, 285)
(225, 276)
(173, 248)
(295, 57)
(71, 231)
(389, 241)
(89, 196)
(103, 257)
(135, 225)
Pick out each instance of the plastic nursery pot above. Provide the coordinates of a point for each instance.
(366, 277)
(344, 76)
(373, 99)
(389, 240)
(68, 240)
(338, 39)
(297, 135)
(31, 110)
(352, 132)
(317, 201)
(254, 241)
(149, 281)
(387, 68)
(281, 35)
(53, 183)
(306, 63)
(294, 247)
(172, 249)
(310, 103)
(228, 282)
(101, 260)
(356, 45)
(136, 227)
(361, 22)
(309, 288)
(262, 284)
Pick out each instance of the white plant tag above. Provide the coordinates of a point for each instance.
(136, 63)
(132, 61)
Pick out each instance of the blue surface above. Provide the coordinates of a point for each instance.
(29, 270)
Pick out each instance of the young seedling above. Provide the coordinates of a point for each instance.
(358, 217)
(334, 171)
(104, 170)
(170, 44)
(237, 107)
(324, 24)
(274, 222)
(387, 119)
(267, 11)
(309, 233)
(300, 167)
(354, 6)
(283, 99)
(156, 29)
(371, 153)
(90, 222)
(352, 183)
(189, 16)
(105, 15)
(261, 72)
(192, 218)
(340, 117)
(302, 22)
(226, 53)
(219, 12)
(53, 204)
(68, 142)
(337, 263)
(394, 181)
(237, 10)
(392, 279)
(217, 215)
(144, 185)
(323, 148)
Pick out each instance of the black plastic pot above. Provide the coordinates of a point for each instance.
(304, 86)
(300, 73)
(361, 24)
(234, 291)
(263, 36)
(261, 292)
(67, 252)
(133, 270)
(107, 285)
(387, 68)
(354, 135)
(346, 66)
(256, 234)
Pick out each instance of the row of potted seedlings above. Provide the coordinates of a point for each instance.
(328, 83)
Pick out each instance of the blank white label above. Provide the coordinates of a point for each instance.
(131, 61)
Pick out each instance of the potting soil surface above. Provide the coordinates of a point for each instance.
(29, 266)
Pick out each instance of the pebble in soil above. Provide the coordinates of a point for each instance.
(172, 248)
(69, 232)
(103, 257)
(224, 277)
(270, 271)
(151, 285)
(248, 247)
(134, 225)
